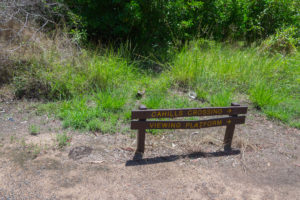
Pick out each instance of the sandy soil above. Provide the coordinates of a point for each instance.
(176, 164)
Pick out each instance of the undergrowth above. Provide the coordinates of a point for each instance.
(96, 90)
(218, 72)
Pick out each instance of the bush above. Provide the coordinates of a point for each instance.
(285, 41)
(34, 130)
(63, 140)
(30, 86)
(157, 23)
(263, 95)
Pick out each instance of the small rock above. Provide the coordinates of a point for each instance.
(140, 94)
(80, 152)
(192, 95)
(11, 119)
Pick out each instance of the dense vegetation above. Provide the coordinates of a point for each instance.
(157, 23)
(222, 50)
(100, 89)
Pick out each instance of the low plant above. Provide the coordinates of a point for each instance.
(63, 140)
(285, 41)
(263, 95)
(12, 139)
(34, 129)
(220, 99)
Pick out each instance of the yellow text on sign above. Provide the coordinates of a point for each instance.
(167, 114)
(194, 125)
(205, 112)
(187, 125)
(192, 112)
(165, 125)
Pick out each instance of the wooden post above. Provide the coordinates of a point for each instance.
(229, 132)
(141, 135)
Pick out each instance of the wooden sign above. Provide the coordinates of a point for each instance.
(143, 114)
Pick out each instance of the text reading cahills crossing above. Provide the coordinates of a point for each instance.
(139, 114)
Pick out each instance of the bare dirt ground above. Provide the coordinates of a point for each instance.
(176, 164)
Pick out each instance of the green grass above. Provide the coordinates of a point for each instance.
(97, 90)
(34, 129)
(217, 73)
(63, 140)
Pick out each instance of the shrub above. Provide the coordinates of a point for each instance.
(34, 130)
(155, 23)
(263, 95)
(285, 41)
(63, 140)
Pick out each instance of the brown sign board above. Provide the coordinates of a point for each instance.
(190, 112)
(225, 121)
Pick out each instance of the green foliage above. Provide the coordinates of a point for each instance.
(155, 24)
(263, 95)
(285, 41)
(63, 140)
(222, 98)
(99, 112)
(30, 86)
(98, 91)
(47, 76)
(287, 111)
(112, 100)
(217, 73)
(34, 129)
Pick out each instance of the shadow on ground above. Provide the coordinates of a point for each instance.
(138, 157)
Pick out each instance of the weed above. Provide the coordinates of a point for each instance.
(34, 129)
(262, 95)
(111, 100)
(132, 135)
(202, 94)
(23, 143)
(223, 98)
(47, 108)
(12, 139)
(34, 150)
(94, 125)
(63, 140)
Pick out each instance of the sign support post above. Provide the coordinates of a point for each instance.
(229, 132)
(141, 134)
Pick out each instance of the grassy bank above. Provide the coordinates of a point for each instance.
(217, 73)
(97, 90)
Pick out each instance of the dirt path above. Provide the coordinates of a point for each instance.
(176, 165)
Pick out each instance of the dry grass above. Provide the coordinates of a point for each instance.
(244, 144)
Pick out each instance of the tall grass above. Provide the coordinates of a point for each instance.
(96, 90)
(218, 72)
